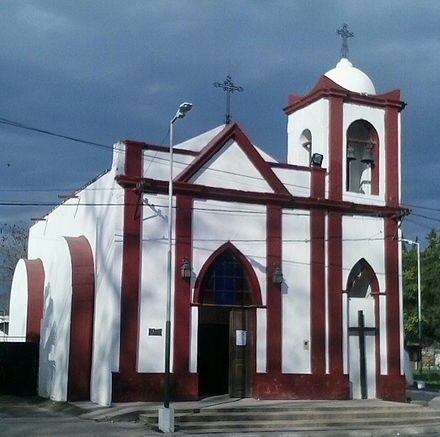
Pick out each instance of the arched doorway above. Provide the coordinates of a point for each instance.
(227, 292)
(362, 287)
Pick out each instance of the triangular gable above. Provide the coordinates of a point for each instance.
(219, 153)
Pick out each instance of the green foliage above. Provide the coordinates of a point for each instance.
(430, 290)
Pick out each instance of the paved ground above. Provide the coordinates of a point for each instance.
(36, 417)
(23, 417)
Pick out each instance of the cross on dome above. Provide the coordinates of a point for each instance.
(345, 34)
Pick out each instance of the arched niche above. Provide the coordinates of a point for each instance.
(362, 156)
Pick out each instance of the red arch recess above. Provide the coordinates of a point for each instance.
(252, 277)
(81, 325)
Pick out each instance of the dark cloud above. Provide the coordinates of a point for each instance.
(109, 70)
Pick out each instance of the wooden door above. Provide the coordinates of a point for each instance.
(241, 368)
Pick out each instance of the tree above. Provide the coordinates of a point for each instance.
(13, 246)
(430, 290)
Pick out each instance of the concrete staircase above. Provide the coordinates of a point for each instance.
(336, 418)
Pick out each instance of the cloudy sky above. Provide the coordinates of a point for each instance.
(105, 70)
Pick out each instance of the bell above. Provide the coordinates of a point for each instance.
(351, 156)
(367, 155)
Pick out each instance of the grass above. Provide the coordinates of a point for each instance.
(431, 378)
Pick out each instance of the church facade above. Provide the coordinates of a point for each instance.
(286, 277)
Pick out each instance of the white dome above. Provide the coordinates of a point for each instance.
(351, 78)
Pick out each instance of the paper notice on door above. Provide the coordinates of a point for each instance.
(240, 337)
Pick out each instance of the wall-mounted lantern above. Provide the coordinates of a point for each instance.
(185, 269)
(277, 276)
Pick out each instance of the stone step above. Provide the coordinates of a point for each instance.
(296, 417)
(286, 425)
(251, 414)
(291, 418)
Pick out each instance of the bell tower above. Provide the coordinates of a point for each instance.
(354, 131)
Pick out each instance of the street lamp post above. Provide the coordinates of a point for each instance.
(166, 414)
(419, 297)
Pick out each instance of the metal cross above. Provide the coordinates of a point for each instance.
(229, 87)
(345, 34)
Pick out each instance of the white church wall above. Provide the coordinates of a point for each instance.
(376, 117)
(97, 214)
(296, 334)
(18, 302)
(298, 182)
(55, 327)
(314, 117)
(244, 225)
(156, 165)
(363, 237)
(231, 168)
(154, 283)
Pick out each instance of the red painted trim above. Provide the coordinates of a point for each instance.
(317, 277)
(234, 132)
(252, 277)
(148, 387)
(131, 272)
(326, 88)
(392, 155)
(375, 173)
(182, 296)
(35, 288)
(334, 287)
(286, 201)
(391, 388)
(81, 321)
(274, 293)
(301, 386)
(393, 297)
(157, 148)
(317, 291)
(335, 148)
(296, 167)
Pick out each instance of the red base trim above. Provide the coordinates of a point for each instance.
(150, 387)
(391, 388)
(295, 386)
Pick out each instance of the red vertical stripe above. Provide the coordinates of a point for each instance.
(334, 285)
(335, 148)
(274, 311)
(393, 298)
(130, 264)
(392, 157)
(182, 297)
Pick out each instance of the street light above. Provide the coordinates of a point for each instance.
(419, 296)
(166, 414)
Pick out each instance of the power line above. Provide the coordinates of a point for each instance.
(53, 134)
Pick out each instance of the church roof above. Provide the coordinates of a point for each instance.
(351, 78)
